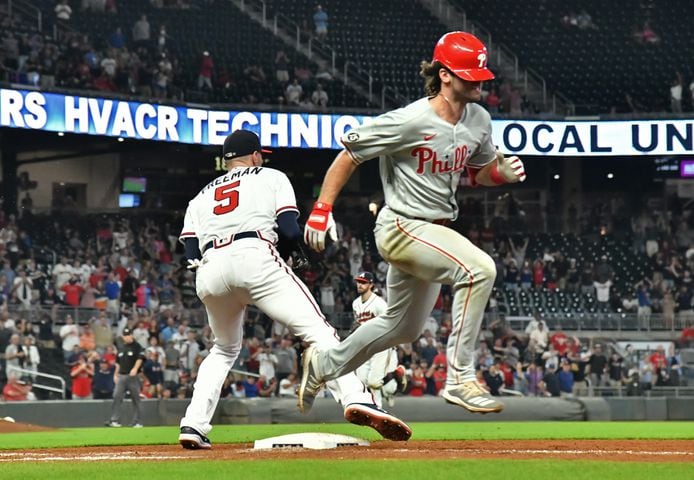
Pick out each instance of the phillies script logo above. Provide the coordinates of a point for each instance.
(429, 160)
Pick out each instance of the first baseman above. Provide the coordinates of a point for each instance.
(423, 148)
(230, 234)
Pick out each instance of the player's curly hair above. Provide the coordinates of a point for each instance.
(430, 72)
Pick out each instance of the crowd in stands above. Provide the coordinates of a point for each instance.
(142, 60)
(64, 315)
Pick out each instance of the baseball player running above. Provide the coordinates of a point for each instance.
(423, 149)
(381, 373)
(229, 234)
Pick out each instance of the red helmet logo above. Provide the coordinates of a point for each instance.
(463, 54)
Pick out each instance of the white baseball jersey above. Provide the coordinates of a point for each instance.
(371, 308)
(243, 199)
(422, 156)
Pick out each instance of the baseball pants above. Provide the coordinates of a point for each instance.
(422, 256)
(372, 371)
(251, 272)
(125, 383)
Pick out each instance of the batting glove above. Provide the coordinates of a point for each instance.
(194, 264)
(508, 170)
(320, 222)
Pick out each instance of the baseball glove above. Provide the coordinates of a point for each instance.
(300, 260)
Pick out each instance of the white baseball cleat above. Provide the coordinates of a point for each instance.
(473, 397)
(310, 383)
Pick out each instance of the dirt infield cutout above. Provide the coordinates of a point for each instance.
(606, 450)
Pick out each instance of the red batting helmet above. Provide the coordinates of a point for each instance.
(464, 55)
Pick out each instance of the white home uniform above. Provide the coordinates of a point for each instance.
(234, 220)
(372, 371)
(421, 160)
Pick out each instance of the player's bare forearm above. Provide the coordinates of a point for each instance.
(483, 175)
(336, 177)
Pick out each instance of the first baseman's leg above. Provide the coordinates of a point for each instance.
(225, 314)
(290, 303)
(410, 301)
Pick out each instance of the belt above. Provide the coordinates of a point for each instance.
(232, 239)
(439, 221)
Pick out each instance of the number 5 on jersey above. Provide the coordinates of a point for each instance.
(228, 196)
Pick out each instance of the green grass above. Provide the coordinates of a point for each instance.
(355, 469)
(73, 437)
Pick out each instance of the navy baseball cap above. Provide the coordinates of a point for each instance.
(241, 143)
(365, 277)
(127, 331)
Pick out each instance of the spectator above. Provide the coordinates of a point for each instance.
(255, 73)
(70, 337)
(267, 361)
(320, 21)
(550, 382)
(288, 386)
(602, 294)
(286, 360)
(73, 292)
(102, 382)
(597, 366)
(16, 390)
(141, 31)
(643, 297)
(493, 101)
(103, 334)
(281, 67)
(493, 379)
(418, 382)
(82, 373)
(293, 92)
(117, 39)
(153, 371)
(319, 97)
(14, 355)
(205, 71)
(87, 340)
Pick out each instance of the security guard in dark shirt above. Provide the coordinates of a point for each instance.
(127, 378)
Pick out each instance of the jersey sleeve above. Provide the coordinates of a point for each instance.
(188, 226)
(486, 152)
(285, 199)
(380, 137)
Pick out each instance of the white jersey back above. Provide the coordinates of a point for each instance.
(371, 308)
(422, 156)
(243, 199)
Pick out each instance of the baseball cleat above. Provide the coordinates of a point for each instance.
(369, 415)
(473, 397)
(310, 383)
(191, 439)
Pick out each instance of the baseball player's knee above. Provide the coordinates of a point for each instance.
(487, 269)
(482, 271)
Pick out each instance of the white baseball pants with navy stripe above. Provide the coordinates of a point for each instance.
(251, 272)
(422, 256)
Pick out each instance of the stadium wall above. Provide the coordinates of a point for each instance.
(92, 413)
